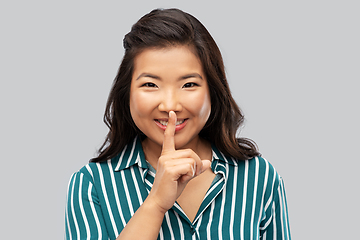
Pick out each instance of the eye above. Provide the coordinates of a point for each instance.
(190, 84)
(149, 84)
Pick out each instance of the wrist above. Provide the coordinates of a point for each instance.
(150, 204)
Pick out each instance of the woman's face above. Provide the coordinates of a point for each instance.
(169, 79)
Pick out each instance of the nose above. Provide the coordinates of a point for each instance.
(170, 101)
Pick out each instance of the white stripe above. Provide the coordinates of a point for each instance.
(215, 155)
(89, 170)
(143, 172)
(197, 235)
(161, 234)
(244, 199)
(121, 157)
(177, 206)
(107, 200)
(194, 236)
(116, 193)
(136, 186)
(181, 228)
(285, 214)
(198, 223)
(68, 224)
(227, 161)
(233, 201)
(131, 153)
(271, 195)
(73, 211)
(94, 211)
(66, 209)
(213, 187)
(149, 184)
(281, 211)
(267, 223)
(169, 224)
(283, 218)
(126, 189)
(254, 198)
(82, 208)
(264, 190)
(265, 183)
(151, 173)
(210, 220)
(274, 222)
(264, 236)
(222, 205)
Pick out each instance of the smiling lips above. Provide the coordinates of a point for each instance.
(162, 123)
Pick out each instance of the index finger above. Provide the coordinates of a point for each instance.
(169, 134)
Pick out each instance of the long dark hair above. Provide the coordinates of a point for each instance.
(172, 27)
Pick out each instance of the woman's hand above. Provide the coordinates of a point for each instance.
(175, 169)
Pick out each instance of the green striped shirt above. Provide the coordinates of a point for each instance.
(245, 201)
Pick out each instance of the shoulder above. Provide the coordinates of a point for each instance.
(95, 171)
(257, 170)
(257, 163)
(130, 155)
(265, 169)
(262, 164)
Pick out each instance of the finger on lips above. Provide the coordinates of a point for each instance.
(169, 147)
(169, 134)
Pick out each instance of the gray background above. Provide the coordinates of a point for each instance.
(292, 68)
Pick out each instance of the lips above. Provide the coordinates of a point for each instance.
(162, 123)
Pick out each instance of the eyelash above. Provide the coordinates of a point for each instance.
(192, 84)
(149, 84)
(186, 85)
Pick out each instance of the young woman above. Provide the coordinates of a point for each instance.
(172, 166)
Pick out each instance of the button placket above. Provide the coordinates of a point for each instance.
(192, 230)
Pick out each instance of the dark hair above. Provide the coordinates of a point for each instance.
(170, 27)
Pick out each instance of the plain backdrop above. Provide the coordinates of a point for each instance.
(293, 68)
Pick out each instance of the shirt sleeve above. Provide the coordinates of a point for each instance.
(275, 225)
(83, 217)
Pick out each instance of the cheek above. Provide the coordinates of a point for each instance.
(138, 104)
(200, 105)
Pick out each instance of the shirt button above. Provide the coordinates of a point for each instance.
(192, 230)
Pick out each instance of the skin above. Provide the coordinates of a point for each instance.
(169, 85)
(170, 79)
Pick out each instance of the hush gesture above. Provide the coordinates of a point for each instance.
(175, 168)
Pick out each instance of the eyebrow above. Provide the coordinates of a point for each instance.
(192, 75)
(149, 75)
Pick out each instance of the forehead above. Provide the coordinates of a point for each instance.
(174, 57)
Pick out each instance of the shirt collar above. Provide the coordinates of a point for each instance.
(220, 157)
(133, 154)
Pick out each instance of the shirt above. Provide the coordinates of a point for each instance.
(245, 201)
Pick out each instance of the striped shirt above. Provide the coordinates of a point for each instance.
(245, 201)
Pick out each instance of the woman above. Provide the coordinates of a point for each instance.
(171, 166)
